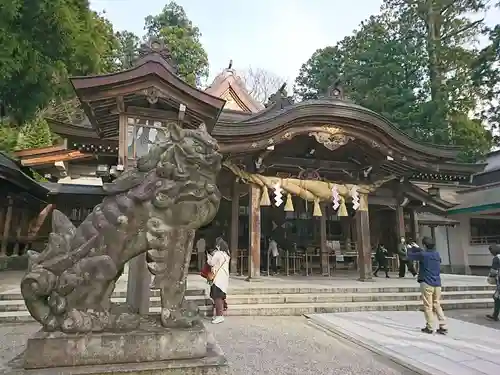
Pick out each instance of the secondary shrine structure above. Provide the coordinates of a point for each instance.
(326, 178)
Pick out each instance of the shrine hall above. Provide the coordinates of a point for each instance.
(327, 179)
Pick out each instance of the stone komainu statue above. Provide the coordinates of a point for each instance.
(154, 208)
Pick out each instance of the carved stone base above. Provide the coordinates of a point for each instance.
(150, 350)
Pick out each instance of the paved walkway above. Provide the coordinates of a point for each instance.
(468, 349)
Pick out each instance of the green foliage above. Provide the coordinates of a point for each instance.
(128, 45)
(8, 138)
(44, 41)
(414, 64)
(486, 77)
(183, 40)
(378, 71)
(34, 134)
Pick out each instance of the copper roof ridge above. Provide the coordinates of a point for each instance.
(266, 116)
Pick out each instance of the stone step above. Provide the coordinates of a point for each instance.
(336, 290)
(275, 299)
(19, 305)
(246, 299)
(23, 316)
(298, 309)
(117, 294)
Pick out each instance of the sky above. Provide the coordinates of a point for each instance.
(275, 35)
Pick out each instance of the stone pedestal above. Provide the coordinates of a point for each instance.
(149, 350)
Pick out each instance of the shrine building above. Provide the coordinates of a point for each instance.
(326, 178)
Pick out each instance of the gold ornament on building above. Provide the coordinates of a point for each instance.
(331, 137)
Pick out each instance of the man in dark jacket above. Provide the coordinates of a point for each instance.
(494, 279)
(403, 259)
(381, 257)
(429, 277)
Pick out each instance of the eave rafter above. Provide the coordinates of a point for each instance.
(153, 81)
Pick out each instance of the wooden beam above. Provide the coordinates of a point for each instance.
(51, 159)
(312, 163)
(148, 113)
(42, 150)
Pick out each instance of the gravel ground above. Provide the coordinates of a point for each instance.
(290, 346)
(260, 346)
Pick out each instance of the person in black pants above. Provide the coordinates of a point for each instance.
(494, 279)
(403, 260)
(381, 258)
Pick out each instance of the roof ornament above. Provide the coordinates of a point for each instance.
(156, 46)
(230, 66)
(335, 90)
(280, 98)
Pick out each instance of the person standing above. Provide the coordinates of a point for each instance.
(381, 258)
(429, 277)
(219, 283)
(201, 246)
(404, 262)
(494, 279)
(273, 254)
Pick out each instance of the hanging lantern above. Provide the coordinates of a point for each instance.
(335, 197)
(355, 197)
(278, 194)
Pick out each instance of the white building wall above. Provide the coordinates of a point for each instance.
(493, 161)
(459, 245)
(479, 255)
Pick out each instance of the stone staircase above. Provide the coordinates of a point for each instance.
(286, 301)
(330, 300)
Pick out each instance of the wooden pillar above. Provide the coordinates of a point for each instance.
(6, 227)
(399, 224)
(21, 216)
(122, 140)
(415, 230)
(324, 249)
(139, 278)
(235, 216)
(433, 233)
(254, 233)
(364, 245)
